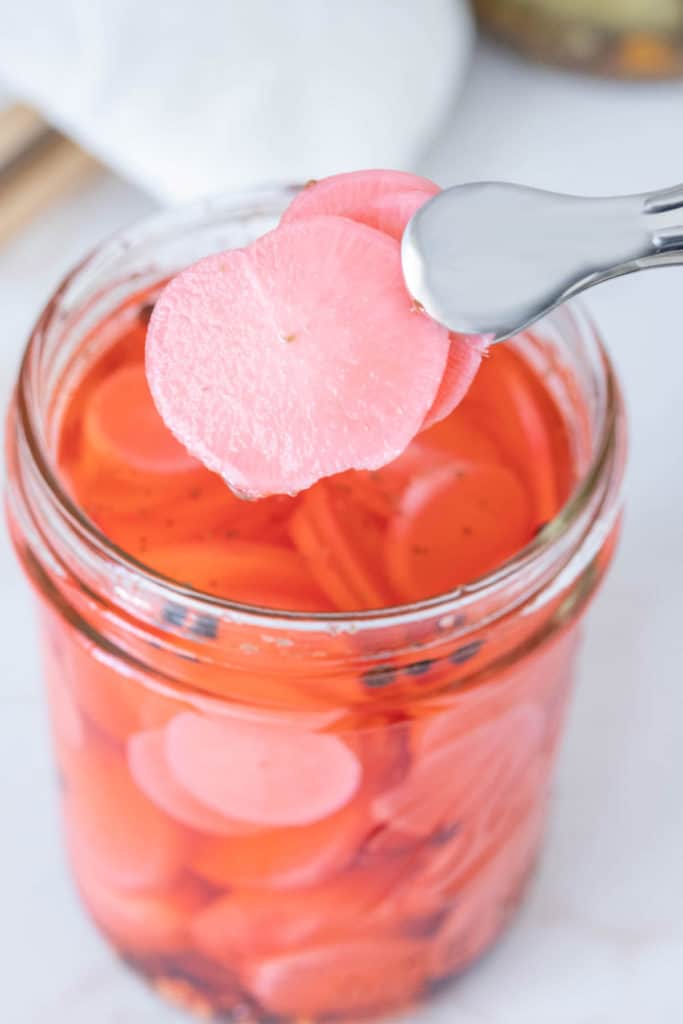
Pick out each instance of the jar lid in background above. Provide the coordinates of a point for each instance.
(623, 38)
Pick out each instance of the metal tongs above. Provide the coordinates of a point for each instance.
(492, 257)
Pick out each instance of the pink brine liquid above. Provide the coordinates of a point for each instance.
(304, 752)
(308, 849)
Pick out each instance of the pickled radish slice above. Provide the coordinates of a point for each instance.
(244, 571)
(342, 543)
(384, 745)
(391, 213)
(125, 432)
(300, 717)
(354, 193)
(476, 773)
(249, 922)
(487, 899)
(446, 873)
(123, 838)
(464, 359)
(286, 858)
(465, 712)
(455, 525)
(344, 978)
(472, 924)
(65, 718)
(140, 923)
(111, 693)
(297, 358)
(262, 774)
(149, 768)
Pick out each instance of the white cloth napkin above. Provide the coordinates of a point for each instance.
(188, 97)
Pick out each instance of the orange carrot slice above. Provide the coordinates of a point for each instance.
(114, 696)
(253, 922)
(285, 858)
(122, 837)
(503, 400)
(124, 431)
(459, 436)
(455, 525)
(345, 978)
(341, 541)
(141, 924)
(246, 571)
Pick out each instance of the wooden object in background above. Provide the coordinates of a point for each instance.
(20, 128)
(37, 166)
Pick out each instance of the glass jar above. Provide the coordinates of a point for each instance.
(626, 38)
(423, 736)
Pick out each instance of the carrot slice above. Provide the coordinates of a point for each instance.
(345, 978)
(122, 837)
(110, 693)
(503, 401)
(254, 922)
(342, 543)
(141, 924)
(124, 432)
(380, 491)
(455, 525)
(285, 858)
(245, 571)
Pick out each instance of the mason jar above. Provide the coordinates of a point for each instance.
(445, 715)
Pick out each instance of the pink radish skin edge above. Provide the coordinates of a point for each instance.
(464, 360)
(262, 775)
(353, 194)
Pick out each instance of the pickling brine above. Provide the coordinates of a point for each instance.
(304, 744)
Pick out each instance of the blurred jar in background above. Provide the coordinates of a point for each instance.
(624, 38)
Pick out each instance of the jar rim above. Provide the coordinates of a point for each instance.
(451, 603)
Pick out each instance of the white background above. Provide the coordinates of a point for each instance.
(600, 940)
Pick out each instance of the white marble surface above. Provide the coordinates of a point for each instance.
(600, 940)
